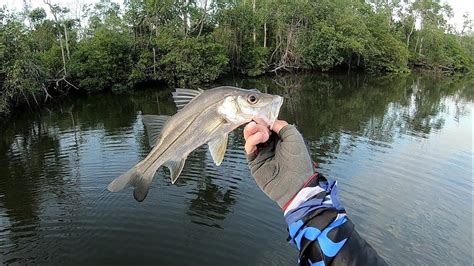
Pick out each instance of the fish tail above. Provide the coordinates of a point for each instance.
(133, 177)
(141, 188)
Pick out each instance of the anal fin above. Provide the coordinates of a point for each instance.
(175, 166)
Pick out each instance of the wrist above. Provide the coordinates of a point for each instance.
(296, 199)
(251, 156)
(284, 130)
(278, 125)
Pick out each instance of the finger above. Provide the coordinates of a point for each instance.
(254, 140)
(252, 128)
(278, 125)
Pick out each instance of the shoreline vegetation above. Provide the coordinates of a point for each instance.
(47, 53)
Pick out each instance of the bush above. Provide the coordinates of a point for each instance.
(386, 54)
(189, 61)
(254, 61)
(324, 48)
(102, 61)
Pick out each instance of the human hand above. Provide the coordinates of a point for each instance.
(279, 162)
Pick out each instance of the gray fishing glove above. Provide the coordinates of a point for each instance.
(281, 165)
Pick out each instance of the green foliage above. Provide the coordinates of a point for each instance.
(444, 51)
(254, 61)
(352, 34)
(467, 43)
(46, 52)
(324, 49)
(385, 52)
(20, 79)
(37, 15)
(102, 61)
(433, 45)
(192, 60)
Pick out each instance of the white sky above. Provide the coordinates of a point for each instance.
(459, 7)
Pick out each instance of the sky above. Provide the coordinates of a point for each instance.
(459, 7)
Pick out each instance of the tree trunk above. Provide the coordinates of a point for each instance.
(265, 34)
(409, 35)
(185, 16)
(154, 61)
(203, 18)
(254, 30)
(58, 26)
(66, 41)
(416, 44)
(350, 65)
(62, 52)
(421, 44)
(26, 11)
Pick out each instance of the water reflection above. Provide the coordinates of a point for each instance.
(211, 203)
(55, 164)
(380, 109)
(35, 171)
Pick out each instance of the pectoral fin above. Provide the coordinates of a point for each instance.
(217, 148)
(154, 124)
(175, 166)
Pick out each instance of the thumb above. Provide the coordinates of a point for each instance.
(278, 125)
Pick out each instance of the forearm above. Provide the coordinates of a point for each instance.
(317, 222)
(321, 231)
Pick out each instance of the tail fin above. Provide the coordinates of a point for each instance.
(132, 177)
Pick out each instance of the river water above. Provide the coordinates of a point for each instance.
(400, 148)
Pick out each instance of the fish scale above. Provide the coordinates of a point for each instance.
(204, 116)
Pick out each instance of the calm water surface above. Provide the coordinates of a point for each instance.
(401, 149)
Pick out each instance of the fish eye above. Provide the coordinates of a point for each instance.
(252, 98)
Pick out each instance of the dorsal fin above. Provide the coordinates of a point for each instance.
(154, 124)
(184, 96)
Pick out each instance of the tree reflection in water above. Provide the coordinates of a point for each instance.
(53, 162)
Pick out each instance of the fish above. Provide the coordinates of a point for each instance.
(203, 116)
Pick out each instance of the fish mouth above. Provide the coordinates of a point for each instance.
(274, 111)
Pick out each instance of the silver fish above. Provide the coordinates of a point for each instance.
(204, 116)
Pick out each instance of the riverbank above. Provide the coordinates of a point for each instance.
(49, 52)
(285, 80)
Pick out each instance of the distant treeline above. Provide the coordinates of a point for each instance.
(187, 42)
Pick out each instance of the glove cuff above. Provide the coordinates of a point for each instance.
(285, 130)
(285, 202)
(251, 156)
